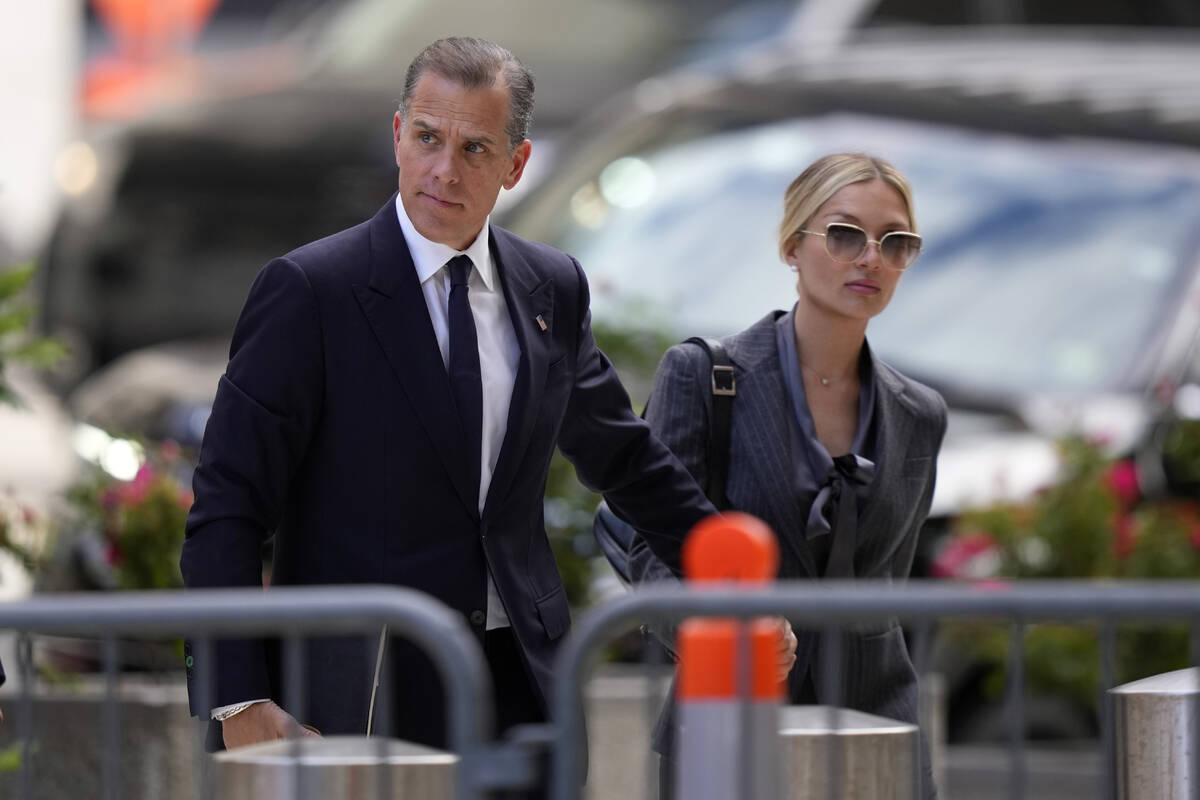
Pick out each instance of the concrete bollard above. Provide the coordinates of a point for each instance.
(1156, 722)
(345, 767)
(872, 758)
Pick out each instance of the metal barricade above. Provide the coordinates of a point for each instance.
(485, 765)
(290, 614)
(830, 606)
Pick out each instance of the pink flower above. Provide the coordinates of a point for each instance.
(135, 491)
(1121, 479)
(970, 555)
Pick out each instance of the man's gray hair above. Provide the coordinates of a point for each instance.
(477, 64)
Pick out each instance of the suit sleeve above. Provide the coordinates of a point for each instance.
(262, 417)
(615, 453)
(678, 414)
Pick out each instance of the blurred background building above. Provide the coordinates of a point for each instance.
(156, 153)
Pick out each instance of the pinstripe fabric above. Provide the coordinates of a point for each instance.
(877, 675)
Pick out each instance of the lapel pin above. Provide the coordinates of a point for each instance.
(541, 322)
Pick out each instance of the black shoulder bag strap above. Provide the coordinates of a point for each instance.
(724, 389)
(613, 534)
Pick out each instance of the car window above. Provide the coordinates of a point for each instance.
(1048, 265)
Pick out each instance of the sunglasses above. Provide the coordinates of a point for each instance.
(846, 242)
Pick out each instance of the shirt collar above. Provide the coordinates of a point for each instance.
(785, 341)
(429, 257)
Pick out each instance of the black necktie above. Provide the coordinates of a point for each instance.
(465, 382)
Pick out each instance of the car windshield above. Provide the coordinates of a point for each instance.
(1048, 266)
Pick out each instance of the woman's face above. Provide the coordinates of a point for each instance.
(862, 288)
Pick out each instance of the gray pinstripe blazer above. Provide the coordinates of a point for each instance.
(910, 418)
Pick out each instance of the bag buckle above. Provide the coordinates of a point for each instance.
(723, 383)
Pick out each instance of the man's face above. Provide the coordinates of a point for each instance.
(453, 155)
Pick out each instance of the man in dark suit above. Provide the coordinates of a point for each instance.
(393, 397)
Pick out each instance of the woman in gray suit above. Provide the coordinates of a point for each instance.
(829, 445)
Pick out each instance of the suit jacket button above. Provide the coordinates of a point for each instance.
(478, 617)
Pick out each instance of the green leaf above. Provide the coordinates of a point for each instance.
(40, 352)
(15, 320)
(13, 280)
(10, 758)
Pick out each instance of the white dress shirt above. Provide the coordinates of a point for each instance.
(499, 353)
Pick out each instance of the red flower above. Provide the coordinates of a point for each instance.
(963, 556)
(135, 491)
(1121, 480)
(1194, 536)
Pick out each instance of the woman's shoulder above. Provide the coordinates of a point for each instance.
(748, 347)
(926, 401)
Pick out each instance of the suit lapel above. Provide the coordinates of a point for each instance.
(529, 297)
(763, 425)
(395, 308)
(894, 420)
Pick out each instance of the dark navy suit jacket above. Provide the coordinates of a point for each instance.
(333, 428)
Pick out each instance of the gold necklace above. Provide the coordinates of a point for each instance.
(824, 380)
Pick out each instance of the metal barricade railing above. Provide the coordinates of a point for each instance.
(829, 606)
(292, 613)
(287, 613)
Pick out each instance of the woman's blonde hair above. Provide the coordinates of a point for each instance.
(824, 177)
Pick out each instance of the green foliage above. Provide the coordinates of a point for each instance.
(10, 757)
(1181, 456)
(15, 343)
(142, 520)
(569, 506)
(1093, 523)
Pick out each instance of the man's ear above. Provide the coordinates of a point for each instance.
(520, 158)
(397, 125)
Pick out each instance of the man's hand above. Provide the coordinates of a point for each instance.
(787, 650)
(261, 722)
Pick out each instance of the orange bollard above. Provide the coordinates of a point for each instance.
(724, 750)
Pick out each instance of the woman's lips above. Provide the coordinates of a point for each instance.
(863, 287)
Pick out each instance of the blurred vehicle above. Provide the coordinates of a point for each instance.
(1057, 185)
(175, 207)
(158, 393)
(1039, 306)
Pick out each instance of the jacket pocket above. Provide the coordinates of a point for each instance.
(552, 610)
